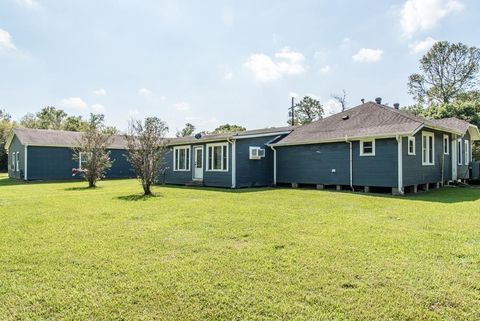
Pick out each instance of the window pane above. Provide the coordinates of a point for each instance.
(430, 149)
(459, 152)
(187, 161)
(210, 157)
(176, 160)
(181, 159)
(225, 157)
(198, 158)
(217, 157)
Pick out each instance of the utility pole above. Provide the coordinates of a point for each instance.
(292, 111)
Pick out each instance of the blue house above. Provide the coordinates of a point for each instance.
(371, 146)
(233, 160)
(376, 146)
(37, 154)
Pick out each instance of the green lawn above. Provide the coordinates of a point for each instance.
(69, 253)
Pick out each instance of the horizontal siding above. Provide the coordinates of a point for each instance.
(329, 164)
(415, 173)
(254, 172)
(210, 178)
(15, 147)
(56, 163)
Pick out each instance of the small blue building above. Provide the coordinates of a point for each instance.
(37, 154)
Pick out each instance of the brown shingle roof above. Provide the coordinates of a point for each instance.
(45, 137)
(453, 123)
(366, 120)
(225, 136)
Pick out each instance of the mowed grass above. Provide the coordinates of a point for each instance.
(69, 253)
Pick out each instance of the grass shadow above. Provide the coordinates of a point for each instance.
(81, 188)
(137, 197)
(219, 189)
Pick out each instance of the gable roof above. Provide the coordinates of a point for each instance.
(367, 120)
(57, 138)
(459, 125)
(232, 135)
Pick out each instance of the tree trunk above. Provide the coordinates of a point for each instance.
(146, 189)
(91, 184)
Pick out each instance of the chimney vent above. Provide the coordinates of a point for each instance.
(396, 106)
(378, 100)
(363, 100)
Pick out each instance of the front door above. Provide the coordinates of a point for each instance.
(198, 163)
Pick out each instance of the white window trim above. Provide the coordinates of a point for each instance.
(208, 158)
(80, 159)
(373, 147)
(467, 152)
(259, 151)
(187, 164)
(17, 162)
(432, 161)
(447, 144)
(411, 139)
(13, 165)
(460, 152)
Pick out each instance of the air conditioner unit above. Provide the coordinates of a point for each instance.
(256, 152)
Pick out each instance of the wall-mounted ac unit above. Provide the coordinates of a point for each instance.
(256, 152)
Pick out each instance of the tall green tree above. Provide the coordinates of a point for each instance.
(186, 131)
(307, 110)
(47, 118)
(446, 71)
(228, 128)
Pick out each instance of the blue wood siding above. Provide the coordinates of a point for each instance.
(15, 147)
(416, 173)
(253, 172)
(329, 164)
(210, 178)
(56, 163)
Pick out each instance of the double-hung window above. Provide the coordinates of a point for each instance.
(411, 145)
(367, 147)
(83, 158)
(446, 144)
(467, 152)
(217, 157)
(428, 148)
(13, 161)
(459, 151)
(18, 161)
(181, 158)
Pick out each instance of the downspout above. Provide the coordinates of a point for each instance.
(26, 163)
(400, 164)
(234, 162)
(274, 165)
(351, 163)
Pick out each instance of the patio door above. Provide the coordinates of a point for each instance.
(198, 163)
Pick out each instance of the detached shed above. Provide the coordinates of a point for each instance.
(38, 154)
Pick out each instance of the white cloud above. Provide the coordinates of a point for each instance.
(368, 55)
(6, 40)
(29, 3)
(331, 107)
(265, 68)
(326, 69)
(74, 103)
(182, 106)
(418, 15)
(422, 45)
(100, 92)
(228, 75)
(144, 92)
(97, 108)
(163, 98)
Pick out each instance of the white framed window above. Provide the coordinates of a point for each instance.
(256, 152)
(446, 144)
(14, 155)
(428, 148)
(217, 157)
(181, 158)
(459, 151)
(367, 147)
(83, 159)
(18, 161)
(467, 152)
(411, 146)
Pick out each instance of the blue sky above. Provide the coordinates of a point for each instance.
(214, 62)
